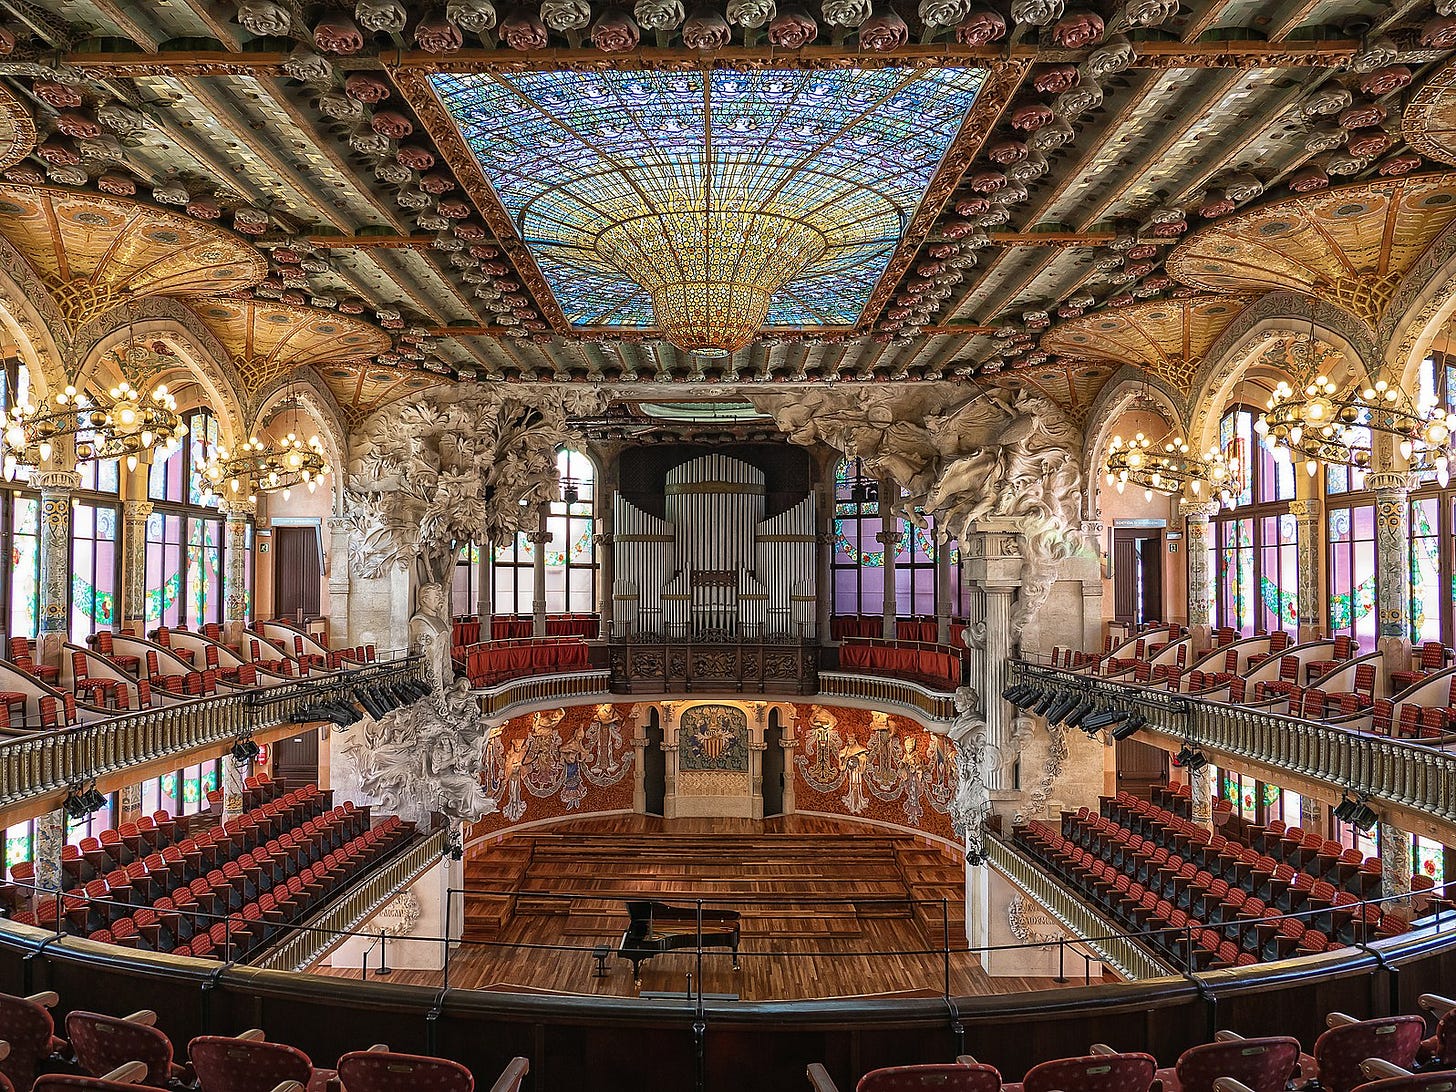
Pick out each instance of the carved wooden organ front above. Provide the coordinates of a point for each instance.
(714, 567)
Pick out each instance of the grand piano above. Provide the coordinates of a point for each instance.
(656, 927)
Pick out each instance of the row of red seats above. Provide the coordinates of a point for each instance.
(1350, 1056)
(486, 665)
(1310, 852)
(117, 1053)
(934, 665)
(256, 900)
(925, 629)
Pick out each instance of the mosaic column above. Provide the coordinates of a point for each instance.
(233, 776)
(1395, 869)
(129, 804)
(538, 540)
(55, 488)
(235, 574)
(889, 538)
(1308, 514)
(339, 631)
(1200, 785)
(1392, 566)
(1200, 624)
(1311, 815)
(133, 613)
(50, 836)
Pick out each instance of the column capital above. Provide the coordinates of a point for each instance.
(55, 481)
(1390, 481)
(1198, 511)
(538, 538)
(1092, 528)
(889, 538)
(238, 507)
(603, 538)
(136, 509)
(1306, 507)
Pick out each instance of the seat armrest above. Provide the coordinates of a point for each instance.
(127, 1073)
(4, 1050)
(288, 1086)
(378, 1048)
(819, 1078)
(1339, 1020)
(46, 999)
(1436, 1004)
(1100, 1048)
(1227, 1037)
(966, 1059)
(253, 1035)
(510, 1078)
(1229, 1084)
(1377, 1068)
(142, 1016)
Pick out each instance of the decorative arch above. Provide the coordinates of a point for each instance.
(1125, 385)
(29, 316)
(200, 356)
(1425, 303)
(1279, 316)
(305, 392)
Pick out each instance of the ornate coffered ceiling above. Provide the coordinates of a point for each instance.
(303, 155)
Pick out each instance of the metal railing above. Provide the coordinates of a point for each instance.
(1404, 773)
(884, 691)
(1124, 953)
(49, 761)
(347, 913)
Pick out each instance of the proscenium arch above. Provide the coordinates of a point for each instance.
(1280, 316)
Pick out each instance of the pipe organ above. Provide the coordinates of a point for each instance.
(714, 567)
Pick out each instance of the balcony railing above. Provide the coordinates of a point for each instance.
(649, 666)
(1396, 772)
(546, 688)
(882, 691)
(41, 762)
(1123, 953)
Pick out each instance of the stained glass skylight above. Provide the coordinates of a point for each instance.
(850, 152)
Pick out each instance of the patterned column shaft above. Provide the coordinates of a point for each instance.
(129, 805)
(538, 539)
(942, 592)
(824, 559)
(1395, 868)
(1200, 784)
(233, 776)
(994, 656)
(485, 589)
(235, 551)
(1309, 603)
(889, 539)
(1311, 815)
(339, 630)
(133, 613)
(50, 836)
(1199, 577)
(55, 547)
(1392, 552)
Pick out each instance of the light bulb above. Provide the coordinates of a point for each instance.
(1147, 494)
(147, 437)
(287, 494)
(131, 463)
(1405, 449)
(1121, 485)
(1310, 466)
(45, 450)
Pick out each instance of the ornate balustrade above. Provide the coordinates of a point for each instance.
(1128, 956)
(347, 913)
(1402, 773)
(880, 691)
(679, 667)
(503, 700)
(41, 762)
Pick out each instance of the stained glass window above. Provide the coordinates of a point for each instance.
(24, 571)
(1428, 858)
(164, 570)
(570, 555)
(849, 151)
(1425, 569)
(1278, 573)
(1254, 562)
(19, 843)
(1351, 567)
(94, 544)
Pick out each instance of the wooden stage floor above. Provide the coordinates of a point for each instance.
(829, 909)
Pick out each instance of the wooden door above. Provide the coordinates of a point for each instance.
(1137, 574)
(654, 768)
(295, 761)
(1150, 573)
(297, 573)
(773, 768)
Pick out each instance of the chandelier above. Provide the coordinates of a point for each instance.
(1315, 423)
(122, 422)
(711, 271)
(258, 467)
(1171, 467)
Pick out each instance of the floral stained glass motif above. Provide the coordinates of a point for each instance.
(849, 152)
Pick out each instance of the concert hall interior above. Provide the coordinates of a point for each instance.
(645, 545)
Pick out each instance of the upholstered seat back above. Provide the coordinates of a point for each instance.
(242, 1065)
(1262, 1064)
(102, 1043)
(1339, 1051)
(1092, 1073)
(381, 1071)
(931, 1078)
(29, 1030)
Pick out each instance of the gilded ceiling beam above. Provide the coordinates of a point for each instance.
(1252, 53)
(424, 241)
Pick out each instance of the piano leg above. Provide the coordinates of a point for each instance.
(735, 953)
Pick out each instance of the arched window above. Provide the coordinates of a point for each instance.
(1433, 519)
(95, 548)
(570, 554)
(857, 566)
(184, 535)
(1350, 590)
(19, 522)
(1255, 543)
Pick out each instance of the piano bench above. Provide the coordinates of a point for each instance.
(601, 953)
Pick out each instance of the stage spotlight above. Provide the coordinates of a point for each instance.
(1061, 707)
(1080, 713)
(1129, 726)
(1098, 721)
(1364, 819)
(1190, 758)
(1345, 808)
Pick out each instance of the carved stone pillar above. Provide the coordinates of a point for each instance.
(1395, 869)
(133, 612)
(235, 575)
(50, 836)
(538, 540)
(889, 538)
(943, 586)
(1200, 622)
(1392, 566)
(1000, 716)
(637, 719)
(669, 748)
(1308, 513)
(1200, 784)
(129, 804)
(606, 555)
(1093, 533)
(55, 488)
(824, 554)
(1311, 816)
(992, 563)
(789, 741)
(485, 588)
(339, 585)
(232, 787)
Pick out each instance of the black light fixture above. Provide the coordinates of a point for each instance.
(570, 490)
(1190, 758)
(1105, 719)
(1130, 726)
(81, 800)
(245, 750)
(1357, 812)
